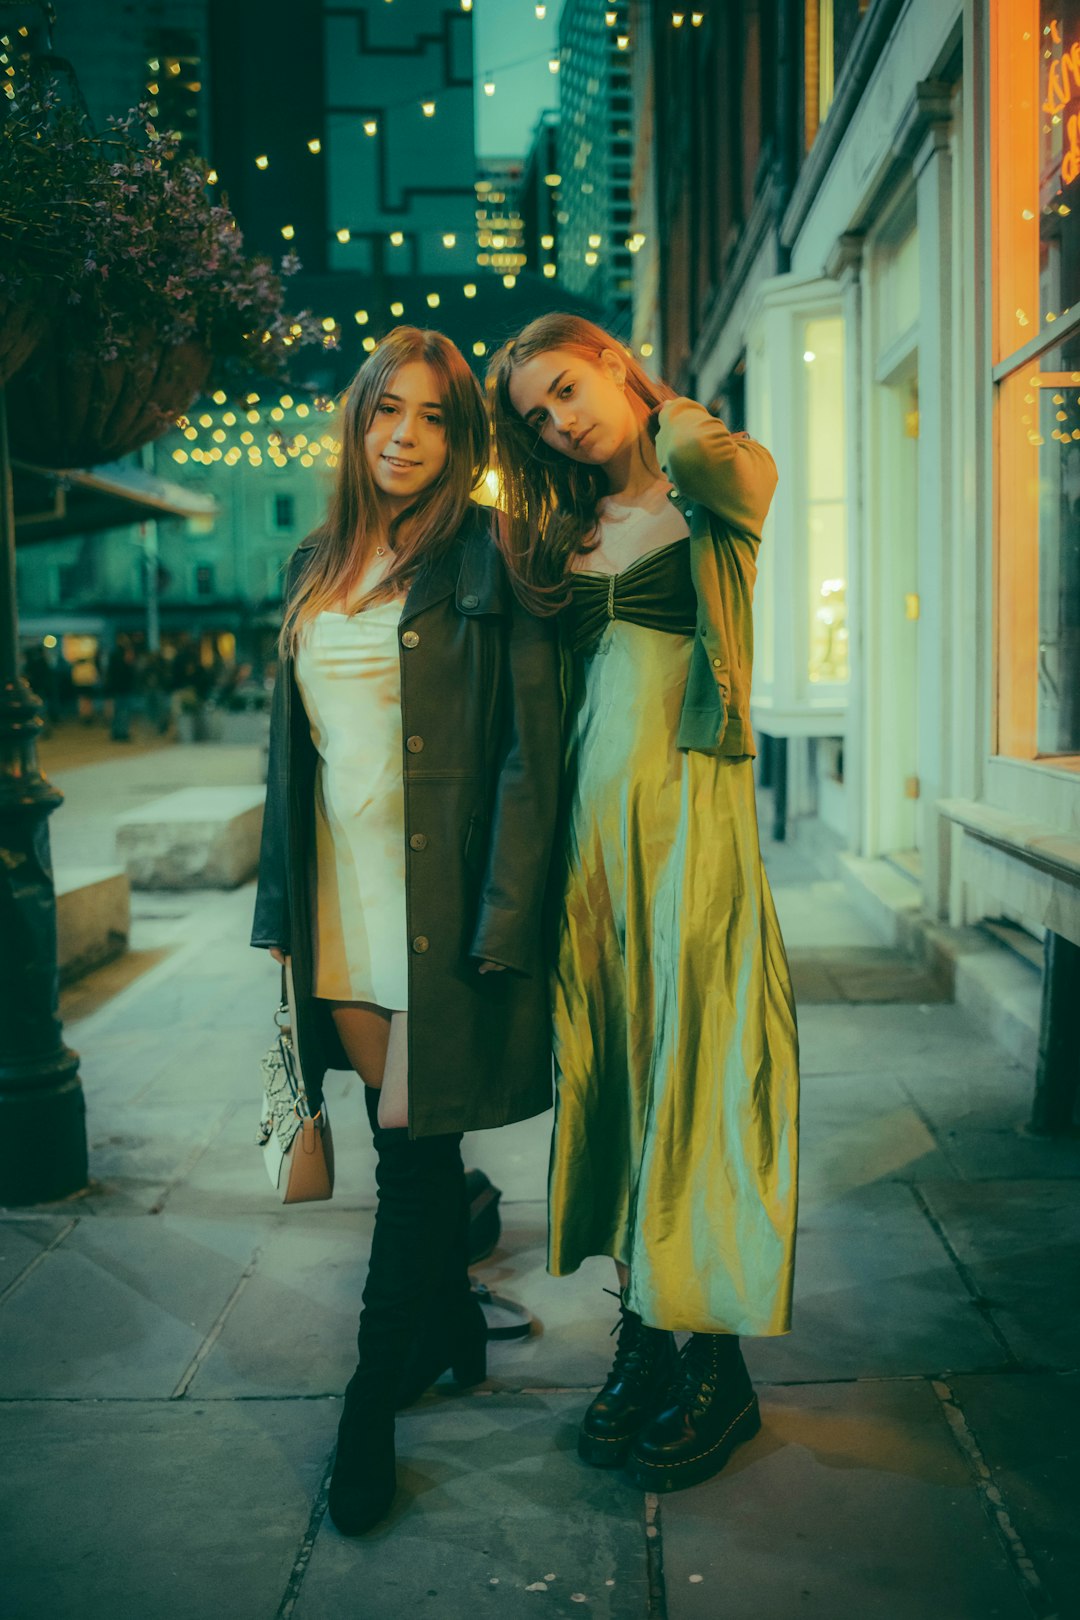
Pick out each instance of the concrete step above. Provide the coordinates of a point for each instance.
(196, 838)
(93, 918)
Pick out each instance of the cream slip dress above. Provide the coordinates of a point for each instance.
(349, 678)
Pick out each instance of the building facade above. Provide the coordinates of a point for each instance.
(879, 285)
(595, 148)
(155, 52)
(346, 133)
(536, 204)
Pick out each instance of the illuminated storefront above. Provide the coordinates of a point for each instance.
(1036, 357)
(1016, 843)
(907, 343)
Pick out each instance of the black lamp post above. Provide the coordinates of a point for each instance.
(42, 1113)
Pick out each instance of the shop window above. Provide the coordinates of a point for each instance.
(1035, 134)
(795, 387)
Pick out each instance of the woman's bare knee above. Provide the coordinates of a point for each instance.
(394, 1096)
(364, 1032)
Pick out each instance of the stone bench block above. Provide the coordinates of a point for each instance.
(198, 838)
(93, 918)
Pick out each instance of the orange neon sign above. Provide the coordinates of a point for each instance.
(1062, 86)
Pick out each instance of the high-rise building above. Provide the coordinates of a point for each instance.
(348, 135)
(595, 155)
(536, 198)
(400, 137)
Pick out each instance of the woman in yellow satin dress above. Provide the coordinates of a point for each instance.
(636, 516)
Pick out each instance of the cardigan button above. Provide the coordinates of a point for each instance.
(470, 601)
(418, 841)
(414, 744)
(420, 944)
(410, 639)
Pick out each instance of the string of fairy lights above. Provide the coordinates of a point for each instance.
(277, 430)
(427, 107)
(259, 431)
(163, 68)
(283, 431)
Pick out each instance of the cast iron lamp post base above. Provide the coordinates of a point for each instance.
(42, 1113)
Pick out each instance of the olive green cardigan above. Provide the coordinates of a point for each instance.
(724, 483)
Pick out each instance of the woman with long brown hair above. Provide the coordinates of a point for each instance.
(635, 516)
(409, 816)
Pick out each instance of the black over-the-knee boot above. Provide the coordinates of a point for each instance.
(365, 1478)
(417, 1188)
(451, 1331)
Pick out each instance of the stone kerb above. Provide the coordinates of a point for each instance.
(93, 918)
(197, 838)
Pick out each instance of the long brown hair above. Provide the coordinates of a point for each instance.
(344, 543)
(551, 502)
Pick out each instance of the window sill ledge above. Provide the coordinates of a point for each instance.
(1032, 842)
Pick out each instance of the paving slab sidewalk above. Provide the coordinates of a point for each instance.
(176, 1342)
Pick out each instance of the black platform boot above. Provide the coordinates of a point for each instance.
(641, 1373)
(710, 1409)
(413, 1208)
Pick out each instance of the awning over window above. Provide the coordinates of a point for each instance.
(50, 505)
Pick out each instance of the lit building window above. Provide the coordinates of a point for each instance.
(1035, 170)
(826, 501)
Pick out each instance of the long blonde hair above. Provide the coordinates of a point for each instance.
(344, 543)
(551, 502)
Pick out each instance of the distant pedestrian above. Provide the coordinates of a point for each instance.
(413, 770)
(153, 683)
(41, 676)
(185, 678)
(120, 681)
(86, 680)
(635, 516)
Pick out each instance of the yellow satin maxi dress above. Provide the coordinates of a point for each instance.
(675, 1139)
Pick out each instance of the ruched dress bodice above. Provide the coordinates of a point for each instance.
(656, 591)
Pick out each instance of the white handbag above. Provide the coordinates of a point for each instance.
(297, 1146)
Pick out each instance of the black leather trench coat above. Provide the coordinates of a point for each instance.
(480, 752)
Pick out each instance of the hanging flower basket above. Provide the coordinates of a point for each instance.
(72, 408)
(146, 290)
(22, 323)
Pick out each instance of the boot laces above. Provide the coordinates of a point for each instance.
(637, 1346)
(699, 1373)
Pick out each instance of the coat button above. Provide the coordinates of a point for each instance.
(718, 663)
(420, 944)
(410, 639)
(414, 744)
(418, 841)
(470, 601)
